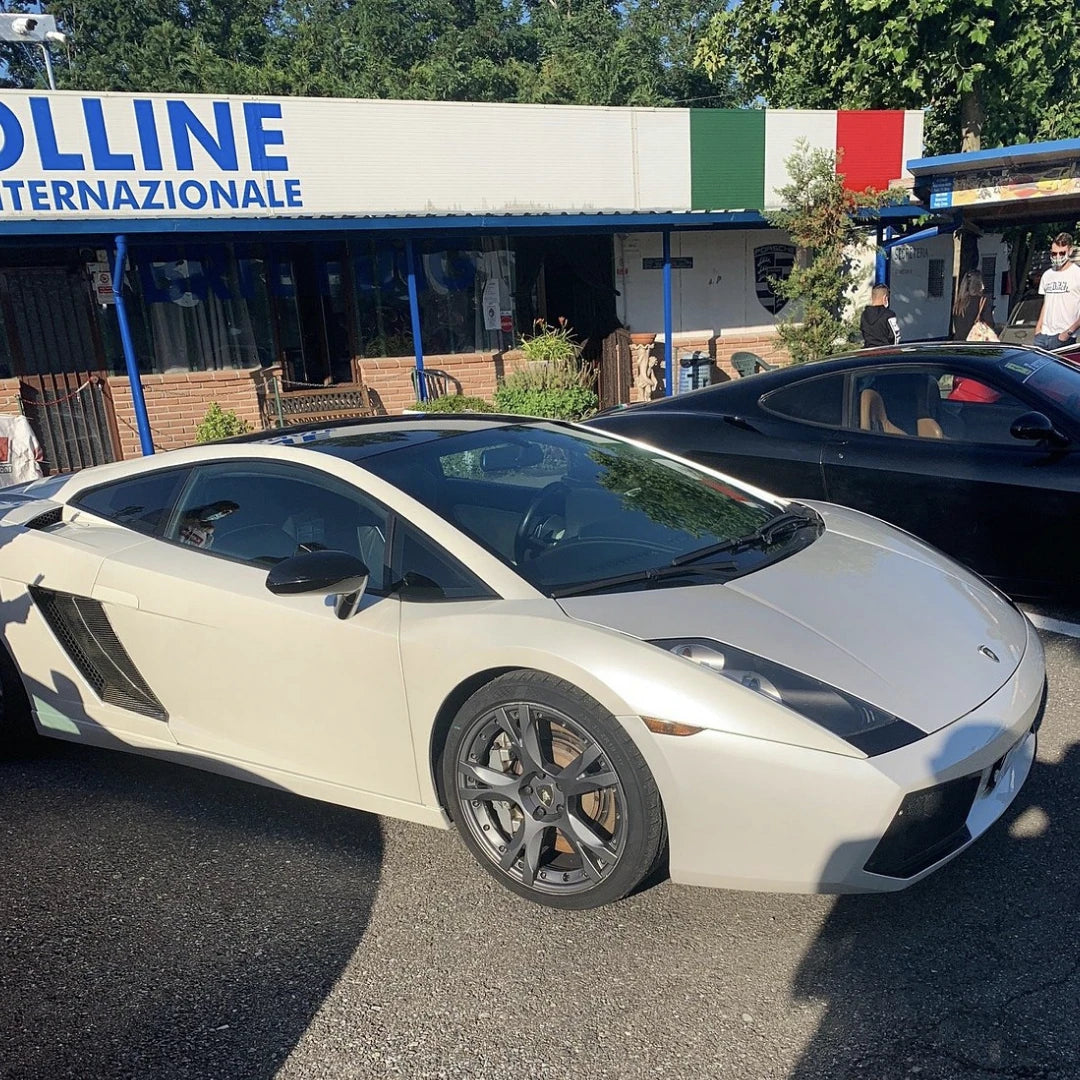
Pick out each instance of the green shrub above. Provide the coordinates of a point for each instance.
(555, 383)
(454, 403)
(551, 344)
(554, 402)
(219, 423)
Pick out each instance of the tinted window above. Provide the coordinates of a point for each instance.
(936, 403)
(261, 513)
(423, 571)
(142, 504)
(814, 401)
(1053, 379)
(582, 505)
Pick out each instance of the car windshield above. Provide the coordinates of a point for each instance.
(569, 508)
(1053, 379)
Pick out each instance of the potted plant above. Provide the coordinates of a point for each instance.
(554, 383)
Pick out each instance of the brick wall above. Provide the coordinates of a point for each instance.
(9, 396)
(720, 349)
(175, 405)
(475, 374)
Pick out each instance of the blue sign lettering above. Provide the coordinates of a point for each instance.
(217, 139)
(63, 192)
(193, 194)
(51, 158)
(255, 112)
(184, 124)
(12, 147)
(148, 136)
(102, 156)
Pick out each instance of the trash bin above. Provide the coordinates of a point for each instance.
(694, 371)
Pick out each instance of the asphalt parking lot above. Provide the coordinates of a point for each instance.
(160, 922)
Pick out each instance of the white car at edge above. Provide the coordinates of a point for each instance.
(594, 658)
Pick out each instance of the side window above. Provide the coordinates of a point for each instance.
(142, 504)
(260, 513)
(935, 403)
(423, 571)
(813, 401)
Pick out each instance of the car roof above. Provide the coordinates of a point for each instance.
(370, 435)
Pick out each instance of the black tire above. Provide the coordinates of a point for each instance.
(550, 794)
(17, 733)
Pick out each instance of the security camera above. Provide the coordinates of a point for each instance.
(40, 29)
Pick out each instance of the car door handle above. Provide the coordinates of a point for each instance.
(739, 422)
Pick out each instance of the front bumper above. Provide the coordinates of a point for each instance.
(749, 814)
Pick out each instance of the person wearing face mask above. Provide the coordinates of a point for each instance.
(1059, 318)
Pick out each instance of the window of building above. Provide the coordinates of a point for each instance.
(813, 401)
(142, 504)
(204, 309)
(935, 279)
(381, 290)
(466, 295)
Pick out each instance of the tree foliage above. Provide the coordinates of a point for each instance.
(999, 71)
(594, 52)
(821, 218)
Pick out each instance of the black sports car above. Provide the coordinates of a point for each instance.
(974, 448)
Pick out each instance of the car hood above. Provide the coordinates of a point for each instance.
(865, 608)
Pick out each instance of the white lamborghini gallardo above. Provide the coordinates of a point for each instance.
(591, 657)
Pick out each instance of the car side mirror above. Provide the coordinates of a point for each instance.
(1036, 427)
(331, 573)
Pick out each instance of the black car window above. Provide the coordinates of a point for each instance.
(813, 401)
(142, 503)
(263, 512)
(421, 570)
(935, 402)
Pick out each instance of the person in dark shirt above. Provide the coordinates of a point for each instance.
(879, 324)
(972, 306)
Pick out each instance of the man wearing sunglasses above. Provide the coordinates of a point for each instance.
(1059, 318)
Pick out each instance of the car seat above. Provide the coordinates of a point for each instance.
(872, 415)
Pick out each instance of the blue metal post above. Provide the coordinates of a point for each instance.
(888, 256)
(879, 259)
(130, 360)
(414, 315)
(669, 385)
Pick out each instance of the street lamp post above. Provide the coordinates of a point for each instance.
(37, 30)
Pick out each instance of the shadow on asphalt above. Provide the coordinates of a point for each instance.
(158, 921)
(973, 973)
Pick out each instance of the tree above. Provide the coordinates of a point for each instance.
(987, 71)
(594, 52)
(821, 218)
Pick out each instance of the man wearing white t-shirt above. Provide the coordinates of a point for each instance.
(1059, 318)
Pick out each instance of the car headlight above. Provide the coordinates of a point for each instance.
(870, 729)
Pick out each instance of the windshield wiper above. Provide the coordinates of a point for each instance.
(655, 573)
(763, 536)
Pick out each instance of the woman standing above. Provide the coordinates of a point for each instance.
(972, 306)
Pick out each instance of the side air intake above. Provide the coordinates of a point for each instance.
(47, 519)
(83, 629)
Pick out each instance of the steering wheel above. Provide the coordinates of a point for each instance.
(548, 502)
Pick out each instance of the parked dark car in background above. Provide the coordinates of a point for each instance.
(973, 448)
